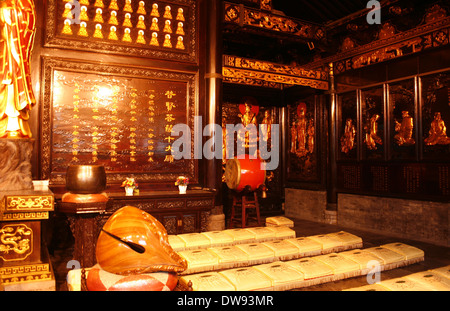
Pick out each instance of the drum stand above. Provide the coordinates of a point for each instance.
(244, 201)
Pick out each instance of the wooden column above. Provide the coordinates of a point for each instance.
(213, 84)
(332, 168)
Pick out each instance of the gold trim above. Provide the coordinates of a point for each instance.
(25, 273)
(17, 203)
(240, 76)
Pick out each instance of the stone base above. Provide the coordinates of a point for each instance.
(15, 164)
(216, 222)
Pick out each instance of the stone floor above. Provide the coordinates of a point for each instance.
(435, 256)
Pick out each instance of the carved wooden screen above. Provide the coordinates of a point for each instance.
(119, 117)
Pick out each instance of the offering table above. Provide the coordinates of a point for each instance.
(178, 213)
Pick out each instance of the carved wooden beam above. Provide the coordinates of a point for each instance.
(247, 17)
(261, 73)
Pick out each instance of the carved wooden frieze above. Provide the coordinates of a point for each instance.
(263, 20)
(433, 32)
(156, 29)
(261, 73)
(119, 117)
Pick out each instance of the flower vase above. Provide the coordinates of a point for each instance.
(129, 191)
(182, 189)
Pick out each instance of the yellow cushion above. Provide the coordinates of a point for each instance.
(245, 279)
(339, 263)
(328, 242)
(311, 268)
(240, 235)
(346, 238)
(376, 287)
(403, 284)
(363, 258)
(306, 245)
(218, 238)
(281, 274)
(444, 271)
(279, 221)
(283, 248)
(176, 243)
(409, 251)
(262, 233)
(208, 281)
(433, 280)
(195, 240)
(257, 252)
(199, 258)
(229, 254)
(282, 232)
(387, 255)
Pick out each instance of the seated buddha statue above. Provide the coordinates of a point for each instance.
(437, 132)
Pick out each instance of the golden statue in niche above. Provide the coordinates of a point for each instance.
(438, 132)
(348, 139)
(18, 27)
(302, 133)
(249, 110)
(405, 130)
(266, 133)
(372, 139)
(311, 133)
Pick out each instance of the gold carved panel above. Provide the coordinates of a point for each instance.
(118, 117)
(154, 29)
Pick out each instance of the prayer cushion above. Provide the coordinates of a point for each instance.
(306, 246)
(240, 235)
(245, 279)
(363, 258)
(347, 239)
(444, 271)
(311, 268)
(101, 280)
(257, 252)
(262, 234)
(279, 221)
(195, 240)
(218, 238)
(340, 264)
(282, 232)
(282, 276)
(328, 242)
(208, 281)
(229, 255)
(376, 287)
(176, 243)
(409, 251)
(387, 255)
(430, 279)
(403, 284)
(199, 260)
(283, 249)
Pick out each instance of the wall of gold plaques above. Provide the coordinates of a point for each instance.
(392, 138)
(117, 109)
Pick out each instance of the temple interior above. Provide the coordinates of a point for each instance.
(225, 145)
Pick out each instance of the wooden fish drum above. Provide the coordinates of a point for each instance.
(240, 173)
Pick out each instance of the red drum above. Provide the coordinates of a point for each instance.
(240, 173)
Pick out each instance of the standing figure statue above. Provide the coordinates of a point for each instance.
(372, 138)
(348, 139)
(404, 130)
(17, 26)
